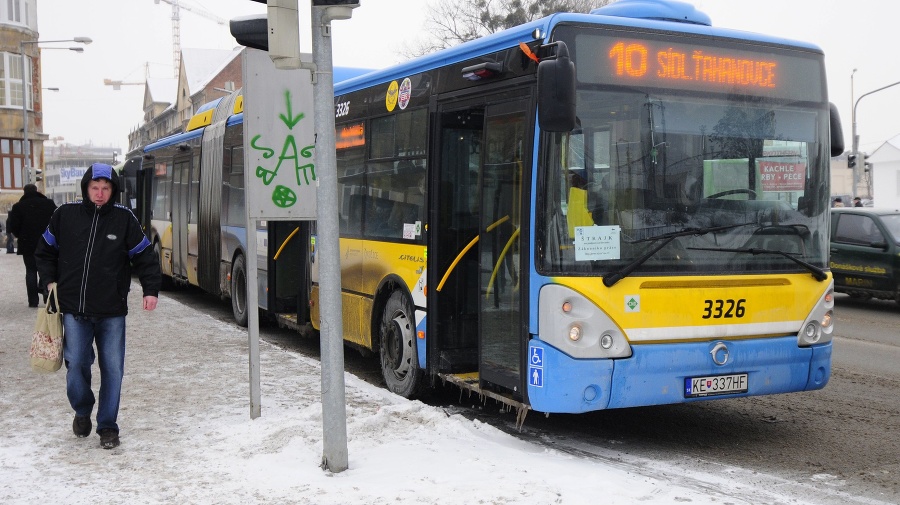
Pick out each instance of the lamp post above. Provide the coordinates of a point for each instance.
(855, 136)
(26, 148)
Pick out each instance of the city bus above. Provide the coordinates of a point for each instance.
(589, 211)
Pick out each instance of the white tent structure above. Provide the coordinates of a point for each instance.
(885, 174)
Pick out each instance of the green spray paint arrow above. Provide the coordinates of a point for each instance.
(290, 120)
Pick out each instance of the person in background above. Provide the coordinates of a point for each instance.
(27, 221)
(10, 240)
(837, 202)
(88, 252)
(857, 202)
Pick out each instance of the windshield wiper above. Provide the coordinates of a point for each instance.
(665, 239)
(817, 272)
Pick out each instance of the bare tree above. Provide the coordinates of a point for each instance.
(456, 21)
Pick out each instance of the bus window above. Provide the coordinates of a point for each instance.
(396, 198)
(161, 185)
(351, 183)
(233, 190)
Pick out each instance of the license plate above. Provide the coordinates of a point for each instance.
(715, 385)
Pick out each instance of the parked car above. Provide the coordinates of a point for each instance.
(865, 252)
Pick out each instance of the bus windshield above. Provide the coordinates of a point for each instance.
(736, 176)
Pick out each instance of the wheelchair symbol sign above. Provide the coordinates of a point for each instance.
(536, 356)
(536, 366)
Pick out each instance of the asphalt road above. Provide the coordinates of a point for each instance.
(837, 445)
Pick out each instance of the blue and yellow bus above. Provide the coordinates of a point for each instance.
(588, 211)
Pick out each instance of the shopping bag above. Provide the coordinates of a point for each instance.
(47, 339)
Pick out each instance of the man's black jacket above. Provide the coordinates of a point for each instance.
(89, 252)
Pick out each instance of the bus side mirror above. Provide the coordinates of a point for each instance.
(837, 133)
(556, 91)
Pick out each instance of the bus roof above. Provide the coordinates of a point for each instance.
(633, 17)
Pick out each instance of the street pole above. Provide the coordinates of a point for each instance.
(853, 142)
(334, 408)
(855, 136)
(25, 147)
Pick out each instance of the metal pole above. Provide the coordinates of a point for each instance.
(25, 146)
(855, 137)
(29, 178)
(252, 307)
(334, 409)
(853, 142)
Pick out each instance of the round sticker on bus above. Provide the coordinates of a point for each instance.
(390, 101)
(405, 93)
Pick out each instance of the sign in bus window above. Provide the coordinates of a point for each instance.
(597, 243)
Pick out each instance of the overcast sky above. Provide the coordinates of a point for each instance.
(132, 37)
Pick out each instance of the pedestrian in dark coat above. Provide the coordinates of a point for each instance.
(27, 221)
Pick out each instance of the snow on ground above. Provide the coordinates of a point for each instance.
(187, 436)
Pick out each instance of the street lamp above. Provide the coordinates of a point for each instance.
(26, 148)
(855, 137)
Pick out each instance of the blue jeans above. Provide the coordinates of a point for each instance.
(109, 333)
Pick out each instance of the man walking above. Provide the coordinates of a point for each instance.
(88, 251)
(27, 221)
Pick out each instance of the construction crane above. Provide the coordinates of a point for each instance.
(177, 5)
(117, 84)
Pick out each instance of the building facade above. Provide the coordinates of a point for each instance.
(204, 75)
(20, 97)
(66, 165)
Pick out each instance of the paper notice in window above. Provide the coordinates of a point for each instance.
(594, 243)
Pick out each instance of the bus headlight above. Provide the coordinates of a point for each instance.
(576, 326)
(819, 323)
(811, 333)
(575, 333)
(606, 341)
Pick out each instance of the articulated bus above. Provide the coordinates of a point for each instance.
(589, 211)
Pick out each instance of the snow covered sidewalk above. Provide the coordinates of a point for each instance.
(187, 437)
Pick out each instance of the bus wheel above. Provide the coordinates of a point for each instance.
(239, 290)
(399, 359)
(166, 282)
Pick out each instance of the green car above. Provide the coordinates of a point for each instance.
(865, 252)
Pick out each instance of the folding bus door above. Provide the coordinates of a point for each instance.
(476, 247)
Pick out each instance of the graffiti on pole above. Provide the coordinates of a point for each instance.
(279, 140)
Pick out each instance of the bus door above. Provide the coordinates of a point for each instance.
(475, 247)
(181, 197)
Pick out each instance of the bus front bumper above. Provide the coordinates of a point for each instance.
(658, 374)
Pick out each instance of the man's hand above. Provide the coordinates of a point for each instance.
(150, 302)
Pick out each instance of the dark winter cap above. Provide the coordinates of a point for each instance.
(29, 188)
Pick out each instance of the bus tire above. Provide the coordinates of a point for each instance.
(397, 348)
(239, 290)
(166, 282)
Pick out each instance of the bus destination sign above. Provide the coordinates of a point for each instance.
(640, 60)
(698, 65)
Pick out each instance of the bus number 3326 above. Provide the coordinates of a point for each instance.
(718, 309)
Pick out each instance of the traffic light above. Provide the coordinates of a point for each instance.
(38, 175)
(866, 165)
(851, 160)
(278, 32)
